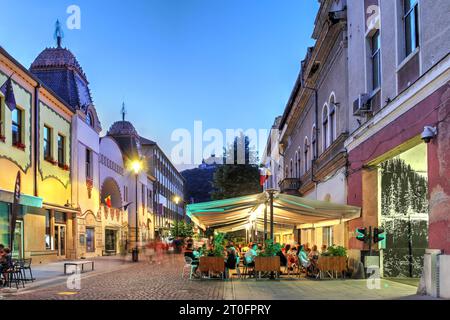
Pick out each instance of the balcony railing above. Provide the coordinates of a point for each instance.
(290, 185)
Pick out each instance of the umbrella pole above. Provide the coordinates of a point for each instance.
(265, 223)
(271, 215)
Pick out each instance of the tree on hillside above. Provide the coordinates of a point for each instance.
(199, 184)
(239, 176)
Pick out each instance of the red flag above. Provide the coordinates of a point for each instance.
(108, 202)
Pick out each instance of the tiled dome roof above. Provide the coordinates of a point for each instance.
(57, 57)
(122, 128)
(127, 137)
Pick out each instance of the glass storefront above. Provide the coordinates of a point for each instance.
(4, 223)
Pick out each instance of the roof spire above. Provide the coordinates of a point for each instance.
(123, 111)
(59, 34)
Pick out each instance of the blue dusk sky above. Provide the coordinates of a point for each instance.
(228, 63)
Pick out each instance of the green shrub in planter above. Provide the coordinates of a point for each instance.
(271, 249)
(335, 251)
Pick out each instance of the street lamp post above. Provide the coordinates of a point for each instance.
(136, 165)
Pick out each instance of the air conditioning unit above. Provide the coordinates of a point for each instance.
(362, 105)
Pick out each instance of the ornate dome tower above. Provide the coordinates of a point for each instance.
(127, 137)
(59, 70)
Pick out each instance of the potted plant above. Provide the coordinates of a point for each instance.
(214, 261)
(334, 260)
(268, 261)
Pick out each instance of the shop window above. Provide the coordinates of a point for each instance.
(4, 224)
(60, 217)
(48, 233)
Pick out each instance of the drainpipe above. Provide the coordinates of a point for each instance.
(36, 138)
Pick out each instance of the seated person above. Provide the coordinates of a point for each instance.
(314, 253)
(324, 248)
(283, 259)
(292, 258)
(250, 256)
(232, 261)
(303, 258)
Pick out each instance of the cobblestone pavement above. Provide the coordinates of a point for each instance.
(140, 281)
(144, 281)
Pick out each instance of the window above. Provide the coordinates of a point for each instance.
(325, 127)
(411, 20)
(88, 163)
(376, 62)
(313, 144)
(306, 155)
(291, 169)
(17, 127)
(90, 119)
(47, 143)
(327, 236)
(1, 119)
(61, 147)
(48, 234)
(296, 165)
(299, 162)
(333, 126)
(143, 192)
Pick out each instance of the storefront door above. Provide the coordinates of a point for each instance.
(60, 240)
(90, 239)
(18, 241)
(110, 241)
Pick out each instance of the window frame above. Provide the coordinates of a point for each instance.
(49, 142)
(61, 150)
(90, 116)
(414, 21)
(325, 127)
(375, 54)
(88, 164)
(19, 126)
(306, 156)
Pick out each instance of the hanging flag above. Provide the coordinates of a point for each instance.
(264, 174)
(108, 201)
(15, 209)
(7, 90)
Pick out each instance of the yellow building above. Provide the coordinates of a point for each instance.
(35, 140)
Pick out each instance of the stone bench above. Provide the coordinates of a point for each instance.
(77, 265)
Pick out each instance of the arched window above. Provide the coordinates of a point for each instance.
(325, 127)
(296, 165)
(313, 143)
(333, 118)
(90, 119)
(306, 157)
(291, 169)
(299, 162)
